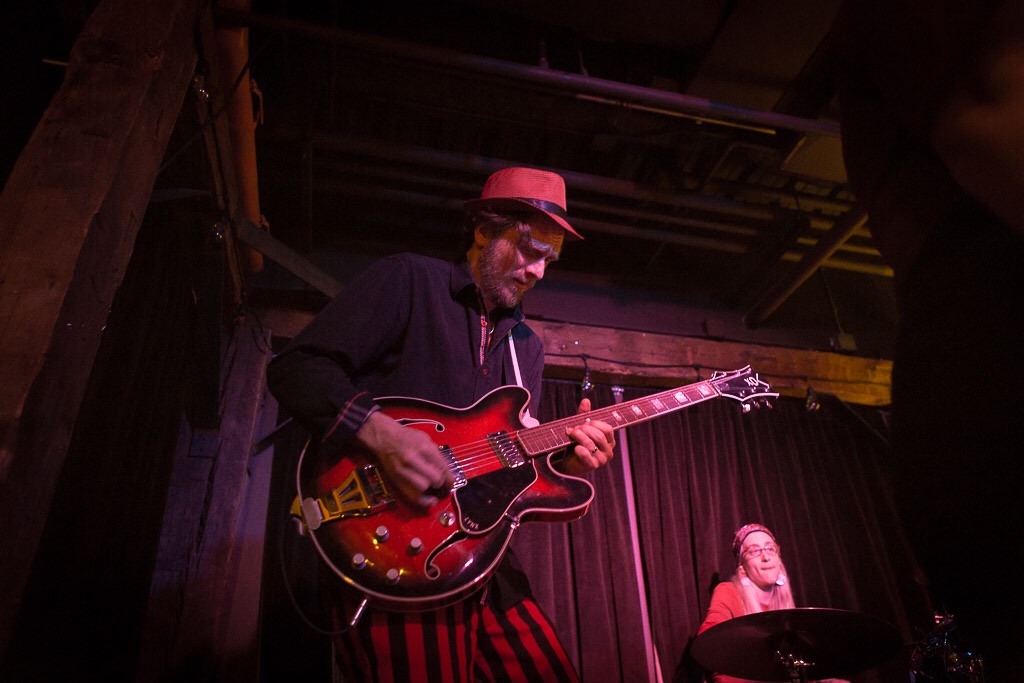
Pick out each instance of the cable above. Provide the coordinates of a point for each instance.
(202, 65)
(860, 417)
(291, 595)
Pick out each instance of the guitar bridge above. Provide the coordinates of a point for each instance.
(363, 493)
(506, 448)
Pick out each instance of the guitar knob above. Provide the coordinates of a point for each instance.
(358, 561)
(416, 545)
(381, 533)
(393, 575)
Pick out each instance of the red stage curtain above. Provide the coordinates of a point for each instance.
(818, 479)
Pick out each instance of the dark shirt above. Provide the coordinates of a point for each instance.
(408, 326)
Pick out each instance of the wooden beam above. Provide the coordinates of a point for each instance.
(68, 219)
(288, 258)
(660, 360)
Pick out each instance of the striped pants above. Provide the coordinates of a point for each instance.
(467, 642)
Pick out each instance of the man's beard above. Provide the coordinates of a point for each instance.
(495, 284)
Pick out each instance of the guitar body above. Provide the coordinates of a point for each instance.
(403, 557)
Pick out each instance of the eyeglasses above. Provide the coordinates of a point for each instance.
(771, 550)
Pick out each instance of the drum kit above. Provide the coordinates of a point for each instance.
(811, 643)
(796, 645)
(944, 656)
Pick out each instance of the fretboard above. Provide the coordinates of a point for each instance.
(552, 435)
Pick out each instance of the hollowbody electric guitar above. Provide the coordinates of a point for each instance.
(402, 557)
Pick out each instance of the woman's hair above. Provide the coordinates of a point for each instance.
(780, 596)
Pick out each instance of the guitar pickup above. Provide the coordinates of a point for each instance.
(453, 466)
(363, 493)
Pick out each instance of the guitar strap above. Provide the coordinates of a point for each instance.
(528, 420)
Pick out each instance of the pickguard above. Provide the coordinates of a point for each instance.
(485, 499)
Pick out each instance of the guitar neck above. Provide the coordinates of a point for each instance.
(552, 435)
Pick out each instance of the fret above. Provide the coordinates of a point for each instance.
(545, 438)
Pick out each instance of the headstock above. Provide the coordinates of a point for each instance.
(745, 386)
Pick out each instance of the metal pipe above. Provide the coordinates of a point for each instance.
(629, 496)
(625, 189)
(571, 84)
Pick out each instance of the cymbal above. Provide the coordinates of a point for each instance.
(831, 643)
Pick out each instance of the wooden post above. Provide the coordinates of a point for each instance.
(69, 215)
(203, 613)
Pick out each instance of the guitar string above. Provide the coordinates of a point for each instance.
(691, 394)
(468, 456)
(616, 412)
(475, 456)
(484, 454)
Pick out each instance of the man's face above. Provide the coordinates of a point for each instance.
(513, 262)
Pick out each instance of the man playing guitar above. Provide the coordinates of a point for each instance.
(448, 334)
